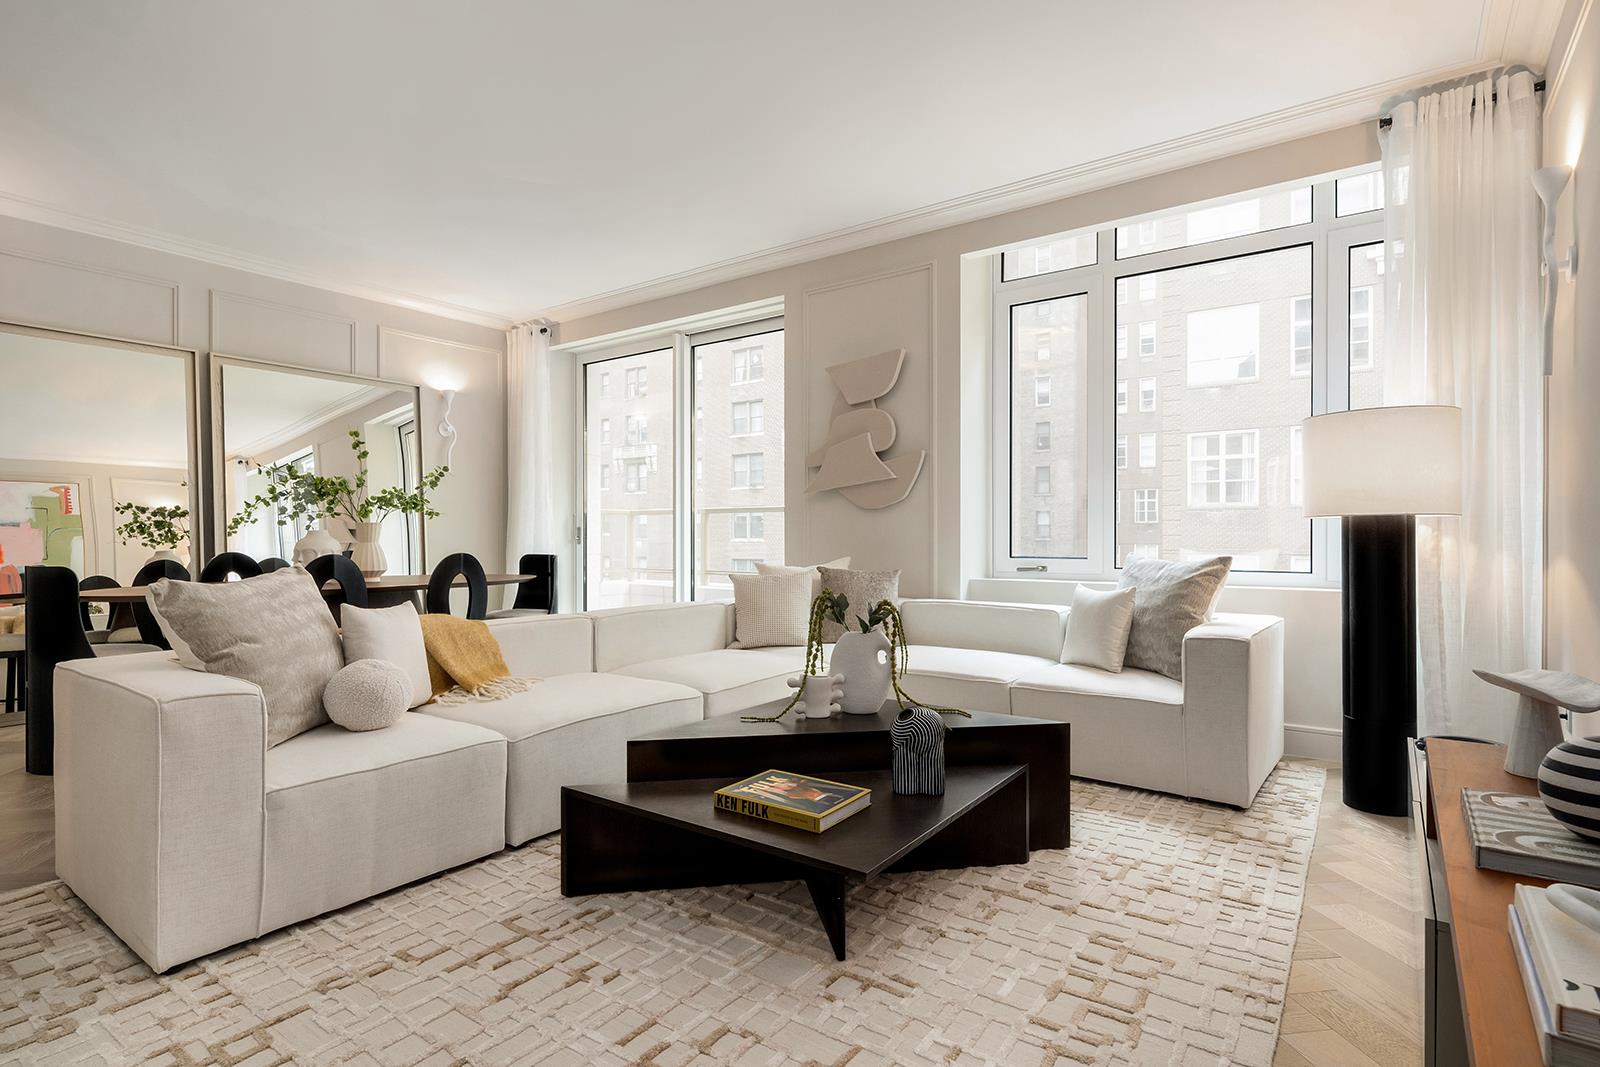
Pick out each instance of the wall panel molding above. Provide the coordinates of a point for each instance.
(282, 333)
(109, 303)
(386, 333)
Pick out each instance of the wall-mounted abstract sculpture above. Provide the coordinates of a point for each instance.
(849, 457)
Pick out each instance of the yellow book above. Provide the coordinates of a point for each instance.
(790, 799)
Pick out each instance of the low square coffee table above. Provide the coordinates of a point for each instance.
(727, 747)
(670, 835)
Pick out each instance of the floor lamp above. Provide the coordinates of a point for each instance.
(1379, 468)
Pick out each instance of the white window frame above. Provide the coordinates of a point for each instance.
(1152, 453)
(1330, 239)
(1146, 507)
(1147, 398)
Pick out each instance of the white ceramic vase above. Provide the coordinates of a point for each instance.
(819, 694)
(318, 542)
(163, 553)
(367, 553)
(864, 660)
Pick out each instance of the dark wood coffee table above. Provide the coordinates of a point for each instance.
(668, 835)
(727, 747)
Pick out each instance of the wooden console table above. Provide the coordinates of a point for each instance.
(1493, 1008)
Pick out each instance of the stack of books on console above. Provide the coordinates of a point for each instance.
(1560, 961)
(790, 799)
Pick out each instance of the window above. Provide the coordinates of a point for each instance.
(1361, 328)
(1041, 437)
(749, 417)
(742, 565)
(636, 429)
(1063, 253)
(605, 476)
(1122, 451)
(605, 384)
(1223, 344)
(1216, 222)
(749, 470)
(1147, 287)
(1147, 450)
(1146, 506)
(1300, 336)
(1060, 444)
(747, 365)
(1041, 481)
(1122, 341)
(1222, 469)
(1043, 355)
(1296, 467)
(636, 476)
(1122, 396)
(1147, 394)
(1041, 525)
(625, 504)
(1358, 193)
(1365, 309)
(1147, 339)
(749, 526)
(605, 431)
(636, 382)
(1041, 392)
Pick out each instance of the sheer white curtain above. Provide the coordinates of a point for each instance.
(530, 443)
(1462, 289)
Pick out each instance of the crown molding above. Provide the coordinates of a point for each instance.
(1556, 72)
(32, 210)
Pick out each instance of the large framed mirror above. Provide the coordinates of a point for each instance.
(99, 455)
(270, 419)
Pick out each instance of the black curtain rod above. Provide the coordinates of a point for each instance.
(1538, 87)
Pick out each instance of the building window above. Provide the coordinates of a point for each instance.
(1222, 469)
(636, 429)
(1122, 451)
(1122, 341)
(749, 470)
(749, 526)
(636, 382)
(749, 417)
(1147, 394)
(636, 476)
(605, 431)
(605, 476)
(1147, 287)
(1041, 437)
(1041, 525)
(1147, 339)
(1122, 396)
(1063, 253)
(1296, 465)
(1146, 506)
(1223, 344)
(1041, 392)
(1041, 481)
(1358, 193)
(742, 565)
(1147, 450)
(1361, 328)
(605, 384)
(1300, 336)
(747, 364)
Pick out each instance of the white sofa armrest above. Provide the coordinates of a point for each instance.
(1232, 705)
(158, 782)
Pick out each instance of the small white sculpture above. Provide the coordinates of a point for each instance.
(1541, 695)
(819, 694)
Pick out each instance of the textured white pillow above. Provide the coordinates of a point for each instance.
(368, 694)
(1097, 628)
(392, 634)
(815, 571)
(771, 609)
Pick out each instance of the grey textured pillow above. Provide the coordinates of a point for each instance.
(274, 630)
(1169, 600)
(864, 588)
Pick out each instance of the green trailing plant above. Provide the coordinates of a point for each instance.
(835, 606)
(153, 525)
(295, 495)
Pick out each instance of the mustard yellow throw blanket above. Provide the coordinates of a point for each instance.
(464, 661)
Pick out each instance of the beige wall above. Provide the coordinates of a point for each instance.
(1572, 136)
(77, 282)
(922, 293)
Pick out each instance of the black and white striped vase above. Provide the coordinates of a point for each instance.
(918, 739)
(1569, 785)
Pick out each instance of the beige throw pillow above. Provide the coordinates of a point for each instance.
(1170, 599)
(863, 588)
(391, 634)
(815, 571)
(771, 609)
(275, 631)
(1097, 628)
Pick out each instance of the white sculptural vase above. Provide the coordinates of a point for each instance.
(819, 694)
(164, 553)
(367, 553)
(318, 542)
(864, 661)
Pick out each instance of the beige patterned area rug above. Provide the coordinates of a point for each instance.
(1162, 936)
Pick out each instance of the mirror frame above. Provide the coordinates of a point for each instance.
(201, 521)
(219, 503)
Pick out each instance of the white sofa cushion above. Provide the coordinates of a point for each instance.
(625, 636)
(541, 646)
(732, 679)
(569, 730)
(349, 815)
(1026, 629)
(966, 678)
(1126, 728)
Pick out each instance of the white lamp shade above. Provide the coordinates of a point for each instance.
(1383, 461)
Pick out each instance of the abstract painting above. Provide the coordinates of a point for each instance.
(40, 522)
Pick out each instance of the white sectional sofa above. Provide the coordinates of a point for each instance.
(186, 834)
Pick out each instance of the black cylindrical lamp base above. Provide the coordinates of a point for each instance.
(1380, 661)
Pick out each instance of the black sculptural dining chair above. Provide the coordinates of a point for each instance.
(443, 578)
(226, 564)
(273, 563)
(537, 595)
(151, 573)
(352, 586)
(101, 581)
(54, 635)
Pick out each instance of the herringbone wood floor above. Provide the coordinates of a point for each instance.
(1355, 989)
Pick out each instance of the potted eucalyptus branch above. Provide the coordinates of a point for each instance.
(301, 495)
(161, 527)
(883, 620)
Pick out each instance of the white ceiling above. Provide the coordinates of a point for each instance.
(501, 158)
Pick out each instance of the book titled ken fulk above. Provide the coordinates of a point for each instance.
(797, 800)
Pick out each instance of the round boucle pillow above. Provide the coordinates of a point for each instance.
(368, 694)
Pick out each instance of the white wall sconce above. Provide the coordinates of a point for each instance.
(446, 427)
(1550, 182)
